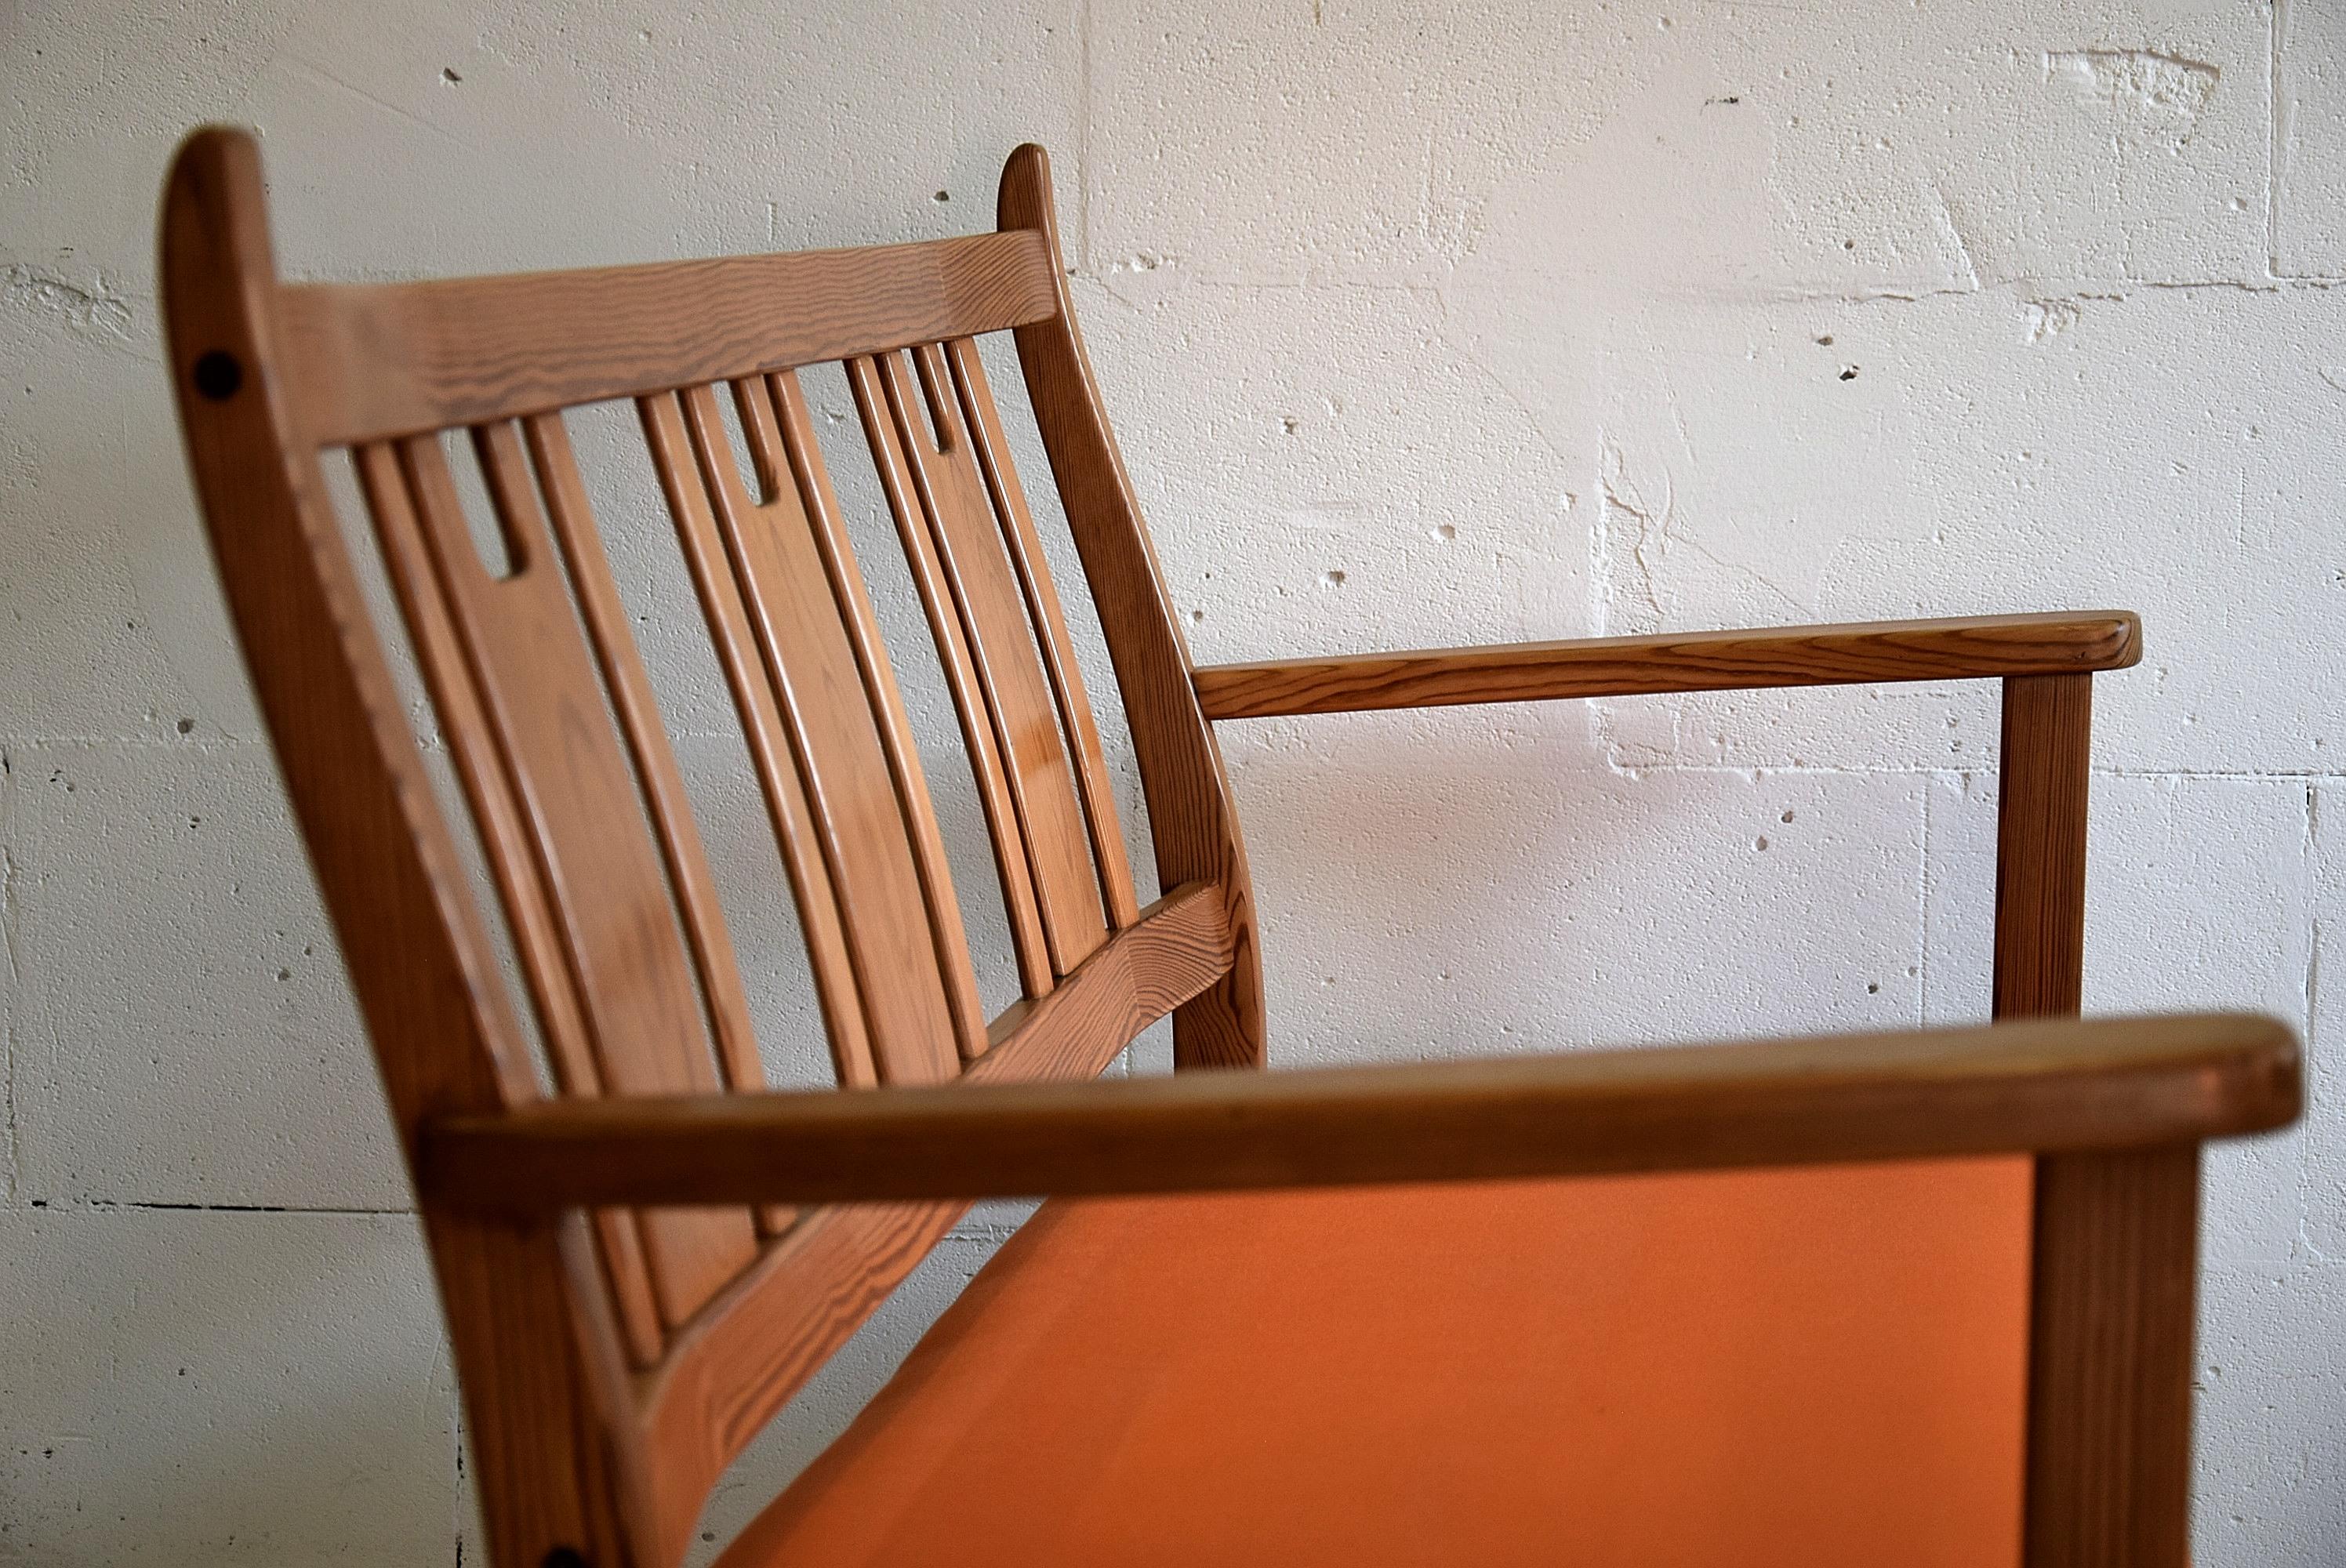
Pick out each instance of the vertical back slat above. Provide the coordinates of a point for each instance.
(594, 865)
(631, 697)
(766, 735)
(787, 449)
(992, 449)
(1035, 973)
(407, 562)
(859, 819)
(703, 916)
(1018, 701)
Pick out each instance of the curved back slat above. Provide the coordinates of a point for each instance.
(409, 565)
(788, 450)
(630, 685)
(982, 423)
(851, 790)
(970, 542)
(1021, 904)
(767, 736)
(582, 858)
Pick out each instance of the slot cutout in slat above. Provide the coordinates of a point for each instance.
(835, 792)
(588, 844)
(767, 735)
(860, 823)
(835, 439)
(790, 444)
(423, 607)
(499, 552)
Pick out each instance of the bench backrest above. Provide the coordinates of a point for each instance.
(612, 1364)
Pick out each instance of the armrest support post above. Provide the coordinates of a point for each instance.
(2040, 859)
(2109, 1376)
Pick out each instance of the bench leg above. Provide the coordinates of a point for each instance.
(2109, 1374)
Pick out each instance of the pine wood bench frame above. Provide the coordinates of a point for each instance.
(598, 1446)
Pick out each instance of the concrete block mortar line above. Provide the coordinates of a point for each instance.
(462, 1504)
(111, 1205)
(967, 1228)
(8, 954)
(2024, 290)
(1753, 772)
(134, 741)
(2284, 283)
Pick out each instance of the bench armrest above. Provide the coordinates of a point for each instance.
(1965, 649)
(2044, 1085)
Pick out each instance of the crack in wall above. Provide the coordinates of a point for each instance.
(1617, 494)
(1955, 232)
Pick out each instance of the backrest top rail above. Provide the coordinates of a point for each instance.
(370, 362)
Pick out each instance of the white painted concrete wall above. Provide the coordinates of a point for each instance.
(1420, 325)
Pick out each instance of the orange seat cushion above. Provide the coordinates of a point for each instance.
(1819, 1368)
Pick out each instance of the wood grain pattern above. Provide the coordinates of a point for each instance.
(2040, 851)
(727, 1375)
(2109, 1376)
(2043, 1086)
(552, 1430)
(1021, 901)
(715, 966)
(982, 421)
(640, 721)
(859, 821)
(1190, 816)
(381, 359)
(804, 457)
(1174, 948)
(971, 543)
(1951, 649)
(2111, 1305)
(407, 562)
(767, 736)
(590, 860)
(971, 549)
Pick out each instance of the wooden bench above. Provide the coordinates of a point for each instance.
(1915, 1298)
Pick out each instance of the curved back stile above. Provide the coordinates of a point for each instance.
(1190, 812)
(612, 1363)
